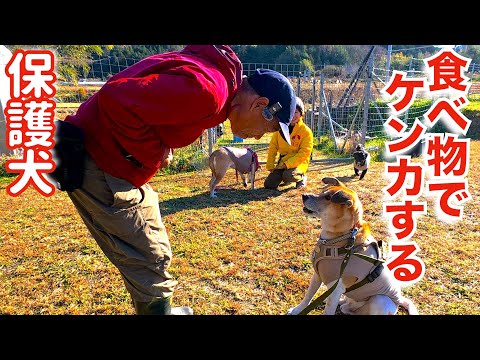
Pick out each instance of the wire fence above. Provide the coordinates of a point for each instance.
(334, 96)
(341, 101)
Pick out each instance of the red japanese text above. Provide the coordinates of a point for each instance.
(29, 119)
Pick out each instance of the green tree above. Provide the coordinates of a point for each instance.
(472, 52)
(400, 61)
(329, 54)
(71, 60)
(294, 54)
(307, 64)
(75, 60)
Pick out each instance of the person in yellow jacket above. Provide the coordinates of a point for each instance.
(293, 160)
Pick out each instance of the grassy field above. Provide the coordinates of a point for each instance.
(243, 253)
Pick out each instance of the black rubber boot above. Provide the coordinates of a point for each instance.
(160, 307)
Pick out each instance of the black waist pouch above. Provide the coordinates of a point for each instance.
(69, 155)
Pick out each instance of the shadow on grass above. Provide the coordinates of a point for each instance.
(226, 197)
(327, 164)
(347, 179)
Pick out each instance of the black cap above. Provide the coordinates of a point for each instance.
(277, 89)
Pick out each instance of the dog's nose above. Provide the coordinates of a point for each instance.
(304, 197)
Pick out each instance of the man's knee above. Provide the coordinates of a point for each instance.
(270, 183)
(273, 180)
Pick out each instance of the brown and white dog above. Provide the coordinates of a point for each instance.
(243, 160)
(344, 232)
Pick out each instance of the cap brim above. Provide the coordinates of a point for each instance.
(286, 132)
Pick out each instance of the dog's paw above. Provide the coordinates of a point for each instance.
(345, 309)
(349, 306)
(293, 311)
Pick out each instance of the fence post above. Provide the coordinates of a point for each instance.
(313, 101)
(210, 140)
(298, 83)
(410, 73)
(320, 107)
(330, 120)
(367, 96)
(389, 58)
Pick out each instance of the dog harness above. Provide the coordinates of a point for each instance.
(331, 261)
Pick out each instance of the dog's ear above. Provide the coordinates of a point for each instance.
(341, 197)
(332, 181)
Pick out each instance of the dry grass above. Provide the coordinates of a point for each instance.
(243, 253)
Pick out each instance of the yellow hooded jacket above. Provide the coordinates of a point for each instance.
(296, 155)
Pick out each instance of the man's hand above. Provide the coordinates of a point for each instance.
(168, 159)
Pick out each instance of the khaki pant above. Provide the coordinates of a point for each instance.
(278, 175)
(126, 223)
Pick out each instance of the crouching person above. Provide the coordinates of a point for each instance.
(293, 153)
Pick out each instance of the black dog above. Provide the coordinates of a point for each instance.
(361, 162)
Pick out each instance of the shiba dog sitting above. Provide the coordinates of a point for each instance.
(348, 259)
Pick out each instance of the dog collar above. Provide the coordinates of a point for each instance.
(348, 236)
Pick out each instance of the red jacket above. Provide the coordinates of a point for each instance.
(163, 101)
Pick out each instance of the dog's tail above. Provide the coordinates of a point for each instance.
(408, 305)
